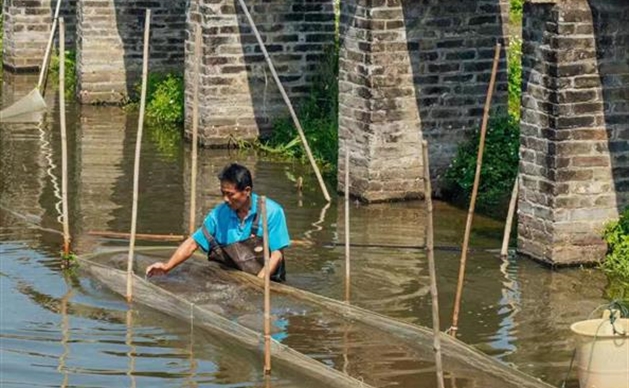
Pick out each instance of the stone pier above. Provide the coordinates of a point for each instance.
(239, 97)
(412, 70)
(574, 155)
(110, 43)
(26, 29)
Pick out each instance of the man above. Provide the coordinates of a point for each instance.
(232, 232)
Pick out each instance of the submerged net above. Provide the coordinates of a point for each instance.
(367, 346)
(25, 109)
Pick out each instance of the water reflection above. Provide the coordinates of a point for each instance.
(81, 334)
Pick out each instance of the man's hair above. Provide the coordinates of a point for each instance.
(237, 174)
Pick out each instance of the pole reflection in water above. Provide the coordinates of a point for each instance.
(193, 362)
(129, 342)
(65, 335)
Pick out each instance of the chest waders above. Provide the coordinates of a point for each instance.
(246, 255)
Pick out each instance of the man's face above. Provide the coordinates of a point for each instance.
(233, 197)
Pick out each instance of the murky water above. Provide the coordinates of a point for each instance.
(73, 331)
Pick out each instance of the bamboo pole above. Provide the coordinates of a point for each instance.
(300, 130)
(138, 236)
(347, 262)
(267, 289)
(509, 223)
(431, 268)
(195, 128)
(138, 146)
(51, 38)
(470, 213)
(64, 139)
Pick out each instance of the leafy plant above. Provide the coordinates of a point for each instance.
(616, 263)
(69, 261)
(318, 116)
(70, 73)
(515, 13)
(165, 99)
(499, 170)
(514, 59)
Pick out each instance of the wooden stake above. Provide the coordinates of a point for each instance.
(138, 236)
(470, 213)
(304, 141)
(430, 252)
(267, 289)
(44, 66)
(505, 238)
(138, 147)
(347, 263)
(64, 139)
(195, 127)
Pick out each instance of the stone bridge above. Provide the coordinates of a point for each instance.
(409, 70)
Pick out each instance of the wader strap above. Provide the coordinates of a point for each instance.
(212, 243)
(254, 225)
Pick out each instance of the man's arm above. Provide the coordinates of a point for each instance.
(274, 262)
(183, 253)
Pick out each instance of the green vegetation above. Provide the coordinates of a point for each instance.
(69, 261)
(517, 7)
(500, 166)
(70, 72)
(1, 33)
(165, 99)
(318, 116)
(514, 59)
(500, 159)
(616, 264)
(164, 111)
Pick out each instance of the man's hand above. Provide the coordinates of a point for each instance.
(157, 269)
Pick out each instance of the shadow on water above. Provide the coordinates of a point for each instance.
(516, 311)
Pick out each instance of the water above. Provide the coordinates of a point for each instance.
(72, 331)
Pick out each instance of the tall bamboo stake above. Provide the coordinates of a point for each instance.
(430, 252)
(195, 128)
(470, 213)
(138, 147)
(267, 289)
(347, 263)
(505, 238)
(64, 139)
(293, 115)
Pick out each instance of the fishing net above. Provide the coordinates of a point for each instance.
(26, 109)
(356, 347)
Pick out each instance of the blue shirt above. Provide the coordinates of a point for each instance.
(226, 227)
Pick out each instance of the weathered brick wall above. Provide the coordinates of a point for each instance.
(410, 69)
(611, 29)
(452, 46)
(239, 96)
(379, 122)
(574, 138)
(110, 43)
(26, 25)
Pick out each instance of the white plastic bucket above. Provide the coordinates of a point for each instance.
(602, 357)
